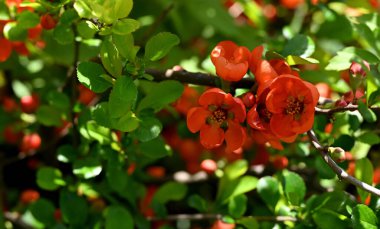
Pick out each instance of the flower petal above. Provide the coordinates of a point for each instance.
(196, 118)
(235, 136)
(281, 125)
(211, 136)
(213, 96)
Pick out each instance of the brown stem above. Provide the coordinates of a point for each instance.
(198, 78)
(201, 217)
(343, 175)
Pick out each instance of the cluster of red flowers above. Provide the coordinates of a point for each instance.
(34, 34)
(281, 108)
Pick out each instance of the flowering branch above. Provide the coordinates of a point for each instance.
(342, 175)
(349, 107)
(198, 78)
(201, 217)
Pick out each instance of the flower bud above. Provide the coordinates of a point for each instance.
(338, 154)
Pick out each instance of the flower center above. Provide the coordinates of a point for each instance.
(294, 107)
(264, 113)
(219, 115)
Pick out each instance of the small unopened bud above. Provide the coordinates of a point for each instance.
(248, 99)
(357, 70)
(338, 154)
(340, 103)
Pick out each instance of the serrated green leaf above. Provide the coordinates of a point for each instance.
(110, 58)
(123, 97)
(163, 94)
(125, 45)
(159, 45)
(49, 178)
(117, 216)
(90, 75)
(125, 26)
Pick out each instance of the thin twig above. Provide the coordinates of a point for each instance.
(198, 78)
(343, 175)
(202, 217)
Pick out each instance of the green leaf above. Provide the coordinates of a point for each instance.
(125, 26)
(14, 32)
(296, 60)
(268, 189)
(366, 112)
(170, 191)
(100, 114)
(90, 75)
(363, 217)
(344, 58)
(43, 211)
(364, 172)
(74, 208)
(66, 153)
(159, 45)
(327, 219)
(248, 222)
(127, 123)
(48, 116)
(237, 206)
(369, 138)
(125, 46)
(49, 178)
(28, 19)
(116, 178)
(197, 202)
(63, 34)
(58, 100)
(96, 132)
(86, 29)
(117, 216)
(324, 170)
(300, 45)
(294, 187)
(68, 17)
(87, 168)
(111, 59)
(163, 94)
(236, 187)
(236, 169)
(337, 27)
(123, 97)
(154, 149)
(149, 129)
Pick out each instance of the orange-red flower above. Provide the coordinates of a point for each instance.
(291, 102)
(218, 119)
(230, 60)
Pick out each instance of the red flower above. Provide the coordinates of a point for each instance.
(218, 119)
(230, 60)
(6, 49)
(291, 102)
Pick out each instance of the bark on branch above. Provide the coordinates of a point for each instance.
(342, 175)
